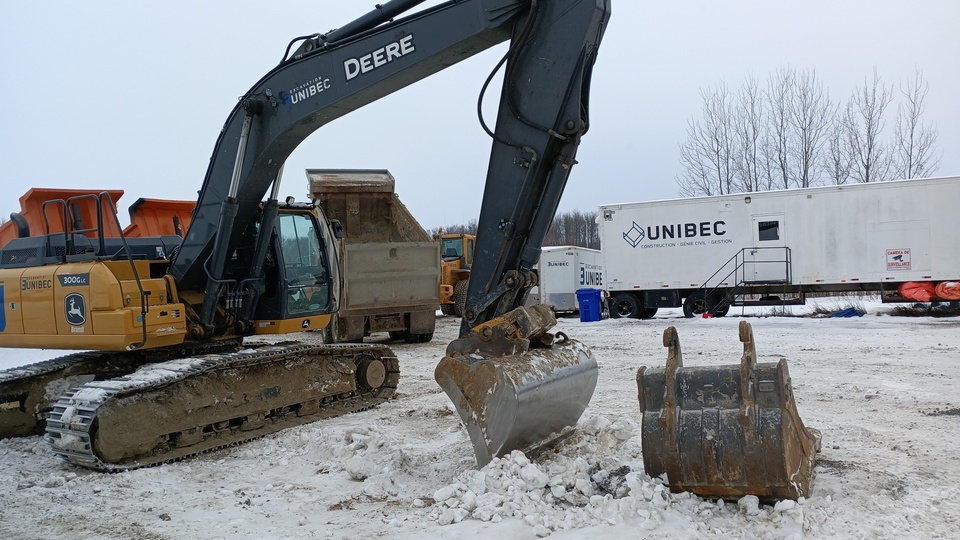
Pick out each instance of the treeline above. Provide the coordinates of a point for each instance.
(574, 228)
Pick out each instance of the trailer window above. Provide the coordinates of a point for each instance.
(768, 230)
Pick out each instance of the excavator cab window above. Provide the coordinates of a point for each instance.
(305, 264)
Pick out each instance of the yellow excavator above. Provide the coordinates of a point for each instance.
(168, 374)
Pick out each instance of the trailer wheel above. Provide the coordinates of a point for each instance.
(699, 302)
(625, 305)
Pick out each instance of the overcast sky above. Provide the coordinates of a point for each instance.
(132, 95)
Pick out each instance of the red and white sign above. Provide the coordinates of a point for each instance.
(898, 259)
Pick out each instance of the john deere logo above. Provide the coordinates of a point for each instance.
(75, 308)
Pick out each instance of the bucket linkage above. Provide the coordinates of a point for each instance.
(725, 431)
(516, 386)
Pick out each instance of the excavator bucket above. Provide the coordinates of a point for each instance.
(516, 386)
(725, 431)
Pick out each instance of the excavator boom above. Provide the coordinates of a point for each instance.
(542, 115)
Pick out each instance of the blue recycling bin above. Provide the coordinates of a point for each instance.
(589, 300)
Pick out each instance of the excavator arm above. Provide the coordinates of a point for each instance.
(553, 44)
(543, 113)
(508, 395)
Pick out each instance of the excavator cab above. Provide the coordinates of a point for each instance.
(300, 270)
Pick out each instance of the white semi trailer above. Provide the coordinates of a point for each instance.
(563, 270)
(772, 248)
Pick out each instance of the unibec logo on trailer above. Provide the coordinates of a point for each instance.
(75, 308)
(591, 275)
(637, 233)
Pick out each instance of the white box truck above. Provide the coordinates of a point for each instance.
(563, 270)
(772, 248)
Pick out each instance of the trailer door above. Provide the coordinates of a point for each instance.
(767, 261)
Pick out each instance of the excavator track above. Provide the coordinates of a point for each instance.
(173, 410)
(27, 393)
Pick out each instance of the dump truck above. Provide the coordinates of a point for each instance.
(707, 254)
(391, 265)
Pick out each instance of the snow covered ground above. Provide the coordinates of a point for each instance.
(881, 389)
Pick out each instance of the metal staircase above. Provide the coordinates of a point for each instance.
(755, 276)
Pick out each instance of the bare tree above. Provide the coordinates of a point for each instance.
(779, 94)
(706, 156)
(791, 134)
(914, 145)
(811, 113)
(864, 123)
(836, 157)
(470, 228)
(748, 133)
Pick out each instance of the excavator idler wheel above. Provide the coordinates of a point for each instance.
(371, 373)
(725, 431)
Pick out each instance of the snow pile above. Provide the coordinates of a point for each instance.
(607, 487)
(594, 479)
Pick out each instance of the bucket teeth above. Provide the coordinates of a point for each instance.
(512, 396)
(725, 431)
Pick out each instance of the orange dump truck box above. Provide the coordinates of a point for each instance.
(148, 217)
(154, 217)
(31, 210)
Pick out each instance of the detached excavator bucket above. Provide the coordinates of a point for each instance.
(725, 431)
(516, 386)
